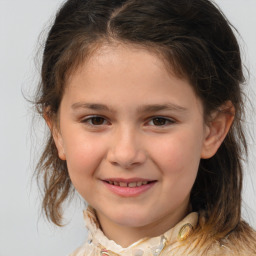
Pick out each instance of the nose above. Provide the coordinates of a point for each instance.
(126, 149)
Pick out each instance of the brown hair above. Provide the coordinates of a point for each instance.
(196, 39)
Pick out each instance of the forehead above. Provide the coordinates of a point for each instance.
(122, 74)
(118, 56)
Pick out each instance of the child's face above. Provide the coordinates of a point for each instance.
(125, 118)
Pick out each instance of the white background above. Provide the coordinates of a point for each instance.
(23, 231)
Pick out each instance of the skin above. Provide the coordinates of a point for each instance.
(118, 84)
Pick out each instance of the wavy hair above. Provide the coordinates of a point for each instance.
(198, 42)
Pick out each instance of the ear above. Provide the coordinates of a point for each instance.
(55, 131)
(217, 129)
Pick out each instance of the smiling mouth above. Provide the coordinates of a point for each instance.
(128, 184)
(129, 187)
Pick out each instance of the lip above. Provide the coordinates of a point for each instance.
(128, 191)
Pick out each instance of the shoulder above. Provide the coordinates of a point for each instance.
(241, 241)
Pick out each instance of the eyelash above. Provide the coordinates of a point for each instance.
(167, 121)
(89, 120)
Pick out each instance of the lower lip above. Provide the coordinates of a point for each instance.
(127, 191)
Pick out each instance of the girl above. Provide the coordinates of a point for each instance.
(143, 100)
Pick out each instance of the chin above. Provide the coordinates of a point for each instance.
(131, 218)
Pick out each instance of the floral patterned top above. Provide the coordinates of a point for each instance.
(172, 242)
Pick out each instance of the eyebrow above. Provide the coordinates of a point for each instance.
(159, 107)
(143, 109)
(92, 106)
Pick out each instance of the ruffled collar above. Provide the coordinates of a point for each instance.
(145, 246)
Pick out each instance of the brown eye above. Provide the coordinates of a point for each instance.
(95, 121)
(160, 121)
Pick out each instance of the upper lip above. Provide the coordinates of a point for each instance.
(130, 180)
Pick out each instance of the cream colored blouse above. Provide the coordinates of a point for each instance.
(170, 243)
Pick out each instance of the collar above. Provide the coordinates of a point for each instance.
(144, 246)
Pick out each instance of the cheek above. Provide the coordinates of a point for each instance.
(83, 155)
(178, 160)
(177, 153)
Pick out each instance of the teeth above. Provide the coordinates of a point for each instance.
(123, 184)
(130, 185)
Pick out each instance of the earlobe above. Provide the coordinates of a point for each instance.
(59, 144)
(56, 136)
(217, 129)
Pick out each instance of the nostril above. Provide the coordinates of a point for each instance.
(124, 163)
(126, 156)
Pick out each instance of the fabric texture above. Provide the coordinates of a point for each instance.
(173, 242)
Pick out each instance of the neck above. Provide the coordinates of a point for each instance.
(131, 234)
